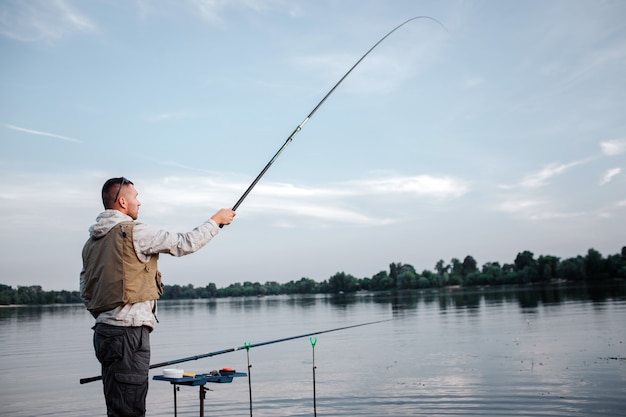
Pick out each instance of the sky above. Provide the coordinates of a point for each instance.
(486, 129)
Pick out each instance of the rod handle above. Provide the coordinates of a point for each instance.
(91, 379)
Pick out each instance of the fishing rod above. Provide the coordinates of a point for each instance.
(306, 119)
(246, 346)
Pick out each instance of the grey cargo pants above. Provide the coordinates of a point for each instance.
(124, 353)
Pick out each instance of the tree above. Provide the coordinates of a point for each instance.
(526, 267)
(428, 279)
(547, 266)
(492, 273)
(441, 267)
(524, 259)
(406, 279)
(422, 282)
(381, 282)
(469, 266)
(442, 273)
(572, 269)
(342, 282)
(306, 286)
(393, 273)
(595, 266)
(616, 266)
(25, 295)
(456, 275)
(7, 294)
(474, 279)
(211, 290)
(273, 288)
(401, 275)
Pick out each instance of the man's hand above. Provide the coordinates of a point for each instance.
(224, 216)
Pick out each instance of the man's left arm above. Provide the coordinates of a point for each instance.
(149, 241)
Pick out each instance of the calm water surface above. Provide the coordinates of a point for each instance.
(540, 351)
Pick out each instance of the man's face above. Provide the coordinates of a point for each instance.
(131, 203)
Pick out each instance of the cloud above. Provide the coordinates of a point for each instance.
(212, 10)
(41, 20)
(556, 215)
(613, 147)
(292, 202)
(613, 210)
(536, 210)
(540, 178)
(609, 174)
(355, 202)
(209, 10)
(517, 206)
(416, 186)
(419, 185)
(39, 133)
(412, 186)
(171, 116)
(320, 212)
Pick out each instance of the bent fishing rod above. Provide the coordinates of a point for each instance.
(246, 346)
(306, 119)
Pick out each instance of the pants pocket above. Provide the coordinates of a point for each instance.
(130, 379)
(108, 344)
(128, 396)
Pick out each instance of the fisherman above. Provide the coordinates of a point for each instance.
(120, 283)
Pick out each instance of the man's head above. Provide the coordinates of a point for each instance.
(120, 194)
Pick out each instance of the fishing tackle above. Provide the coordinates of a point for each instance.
(313, 341)
(306, 119)
(246, 346)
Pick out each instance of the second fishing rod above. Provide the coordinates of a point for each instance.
(246, 346)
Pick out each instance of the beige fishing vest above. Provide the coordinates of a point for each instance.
(114, 274)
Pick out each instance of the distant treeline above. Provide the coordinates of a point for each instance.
(35, 295)
(525, 269)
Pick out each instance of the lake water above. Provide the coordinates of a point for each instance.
(531, 351)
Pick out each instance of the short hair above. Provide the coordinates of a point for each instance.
(111, 190)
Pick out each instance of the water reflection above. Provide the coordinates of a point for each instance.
(527, 297)
(35, 313)
(530, 350)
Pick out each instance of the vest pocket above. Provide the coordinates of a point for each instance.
(159, 283)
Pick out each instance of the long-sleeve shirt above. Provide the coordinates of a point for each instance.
(148, 241)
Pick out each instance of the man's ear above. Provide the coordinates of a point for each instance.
(121, 200)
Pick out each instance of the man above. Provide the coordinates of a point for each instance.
(120, 283)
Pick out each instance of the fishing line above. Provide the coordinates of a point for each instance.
(306, 119)
(245, 346)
